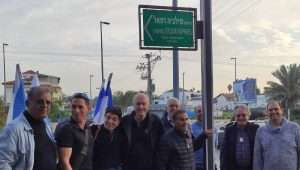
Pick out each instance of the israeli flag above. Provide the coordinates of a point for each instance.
(35, 82)
(104, 100)
(17, 105)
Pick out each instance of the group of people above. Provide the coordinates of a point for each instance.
(141, 140)
(137, 141)
(274, 146)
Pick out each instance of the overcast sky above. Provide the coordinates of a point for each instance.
(62, 38)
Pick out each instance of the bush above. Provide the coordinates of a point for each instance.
(227, 115)
(2, 119)
(295, 115)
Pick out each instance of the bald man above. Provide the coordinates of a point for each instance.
(143, 131)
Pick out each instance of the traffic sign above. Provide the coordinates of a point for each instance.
(167, 27)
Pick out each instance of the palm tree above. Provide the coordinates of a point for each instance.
(229, 87)
(287, 89)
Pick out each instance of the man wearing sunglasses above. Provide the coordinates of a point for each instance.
(277, 144)
(74, 137)
(238, 142)
(27, 142)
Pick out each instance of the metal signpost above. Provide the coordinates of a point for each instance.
(207, 77)
(176, 28)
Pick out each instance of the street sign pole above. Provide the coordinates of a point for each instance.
(207, 77)
(175, 67)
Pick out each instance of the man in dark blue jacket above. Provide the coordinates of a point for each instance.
(177, 146)
(173, 105)
(238, 143)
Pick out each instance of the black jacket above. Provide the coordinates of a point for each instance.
(166, 123)
(228, 148)
(152, 131)
(176, 151)
(108, 148)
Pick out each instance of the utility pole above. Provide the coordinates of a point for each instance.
(207, 77)
(146, 68)
(91, 76)
(101, 39)
(183, 97)
(234, 58)
(4, 73)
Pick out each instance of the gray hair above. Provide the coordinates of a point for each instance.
(242, 106)
(173, 100)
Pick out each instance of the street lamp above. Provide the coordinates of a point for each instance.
(234, 58)
(4, 72)
(91, 76)
(102, 70)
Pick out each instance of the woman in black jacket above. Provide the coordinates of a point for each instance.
(109, 140)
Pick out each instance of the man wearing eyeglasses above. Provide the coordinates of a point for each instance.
(238, 143)
(143, 131)
(173, 105)
(74, 137)
(27, 142)
(277, 144)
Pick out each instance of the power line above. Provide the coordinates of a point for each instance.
(226, 8)
(146, 69)
(250, 5)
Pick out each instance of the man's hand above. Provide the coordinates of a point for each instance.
(208, 132)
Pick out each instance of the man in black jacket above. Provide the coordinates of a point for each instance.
(177, 146)
(173, 105)
(143, 131)
(238, 143)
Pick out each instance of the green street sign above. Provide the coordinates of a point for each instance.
(167, 28)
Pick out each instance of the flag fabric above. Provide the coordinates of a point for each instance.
(104, 100)
(17, 104)
(35, 82)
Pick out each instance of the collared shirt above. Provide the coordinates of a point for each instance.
(243, 153)
(69, 134)
(167, 122)
(277, 148)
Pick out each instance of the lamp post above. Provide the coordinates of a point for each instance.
(4, 72)
(234, 58)
(91, 76)
(102, 69)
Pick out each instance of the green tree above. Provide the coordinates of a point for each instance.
(287, 88)
(57, 111)
(3, 114)
(123, 99)
(229, 87)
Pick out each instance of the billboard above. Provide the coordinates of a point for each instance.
(245, 90)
